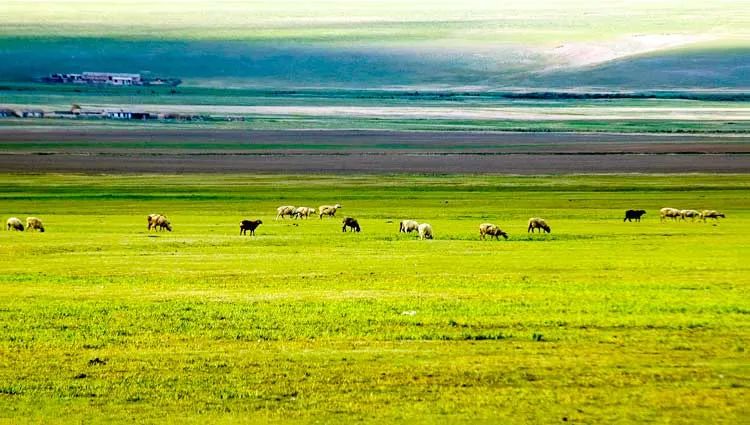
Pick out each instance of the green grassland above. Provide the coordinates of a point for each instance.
(579, 114)
(598, 322)
(382, 22)
(289, 122)
(62, 95)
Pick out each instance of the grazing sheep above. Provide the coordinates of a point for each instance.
(492, 230)
(152, 220)
(425, 231)
(407, 226)
(250, 225)
(284, 210)
(711, 214)
(689, 213)
(33, 223)
(329, 210)
(633, 215)
(351, 223)
(672, 213)
(15, 224)
(538, 223)
(303, 212)
(158, 222)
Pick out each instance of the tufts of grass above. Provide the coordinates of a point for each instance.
(599, 320)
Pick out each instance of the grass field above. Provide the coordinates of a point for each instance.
(598, 322)
(288, 122)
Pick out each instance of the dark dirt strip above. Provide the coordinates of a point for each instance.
(377, 163)
(354, 138)
(97, 150)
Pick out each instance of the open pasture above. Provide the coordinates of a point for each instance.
(598, 322)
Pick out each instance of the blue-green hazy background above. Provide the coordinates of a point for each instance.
(387, 44)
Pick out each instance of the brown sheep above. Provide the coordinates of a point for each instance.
(33, 223)
(492, 230)
(15, 224)
(250, 225)
(538, 223)
(152, 220)
(711, 214)
(158, 222)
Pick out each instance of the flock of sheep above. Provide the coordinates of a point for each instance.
(159, 222)
(305, 212)
(674, 214)
(424, 230)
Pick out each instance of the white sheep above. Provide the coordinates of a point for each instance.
(33, 223)
(492, 230)
(15, 224)
(538, 223)
(425, 231)
(692, 214)
(303, 212)
(329, 210)
(672, 213)
(284, 210)
(407, 226)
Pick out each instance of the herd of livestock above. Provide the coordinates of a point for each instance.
(159, 222)
(674, 214)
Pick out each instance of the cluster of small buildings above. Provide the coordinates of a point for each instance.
(109, 78)
(107, 113)
(21, 113)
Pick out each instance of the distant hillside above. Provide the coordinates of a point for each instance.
(242, 64)
(683, 69)
(415, 45)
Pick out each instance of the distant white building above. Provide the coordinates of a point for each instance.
(109, 78)
(112, 78)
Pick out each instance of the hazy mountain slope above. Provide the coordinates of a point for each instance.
(704, 69)
(385, 43)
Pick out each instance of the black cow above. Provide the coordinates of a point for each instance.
(351, 223)
(250, 225)
(634, 215)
